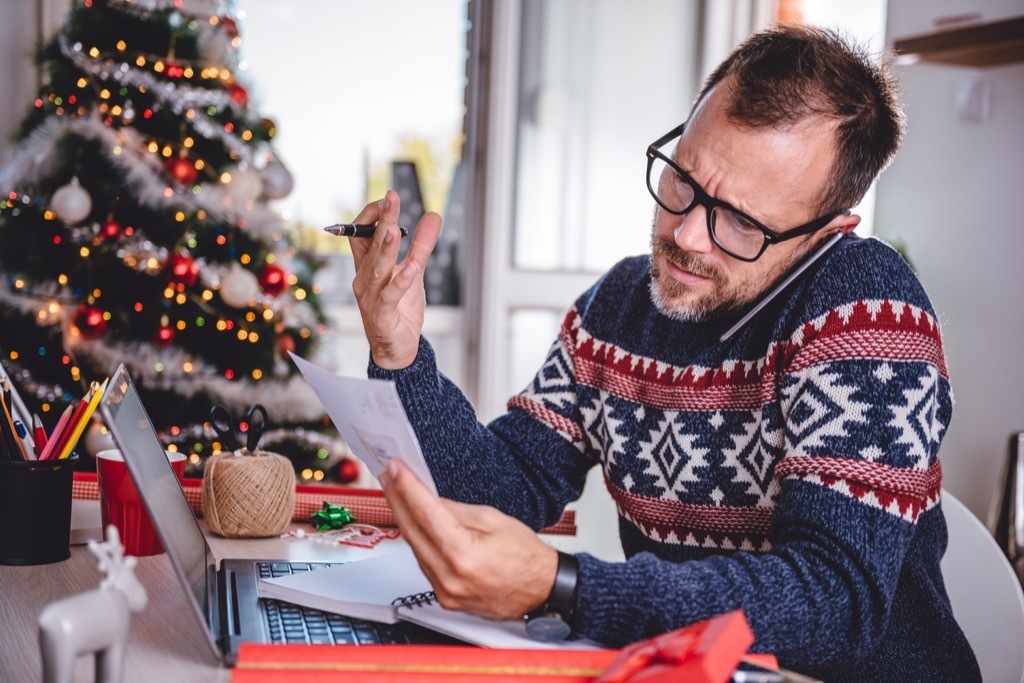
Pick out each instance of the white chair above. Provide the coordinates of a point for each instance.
(985, 593)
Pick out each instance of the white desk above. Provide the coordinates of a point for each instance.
(164, 643)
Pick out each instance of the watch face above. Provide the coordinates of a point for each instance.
(548, 628)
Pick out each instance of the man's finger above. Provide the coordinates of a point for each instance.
(417, 509)
(423, 240)
(378, 262)
(359, 246)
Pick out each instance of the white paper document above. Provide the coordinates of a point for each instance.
(370, 417)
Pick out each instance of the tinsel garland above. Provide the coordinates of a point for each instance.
(142, 358)
(177, 96)
(195, 8)
(37, 299)
(32, 160)
(296, 400)
(34, 300)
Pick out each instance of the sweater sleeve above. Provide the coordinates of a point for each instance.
(516, 463)
(862, 403)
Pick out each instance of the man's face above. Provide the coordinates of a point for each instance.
(775, 176)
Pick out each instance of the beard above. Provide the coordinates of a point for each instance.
(682, 302)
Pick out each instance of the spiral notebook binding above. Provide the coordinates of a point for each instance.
(416, 600)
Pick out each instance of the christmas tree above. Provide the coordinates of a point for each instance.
(135, 227)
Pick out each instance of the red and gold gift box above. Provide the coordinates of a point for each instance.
(706, 652)
(420, 663)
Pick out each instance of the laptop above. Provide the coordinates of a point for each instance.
(225, 601)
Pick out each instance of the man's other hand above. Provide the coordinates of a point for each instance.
(478, 559)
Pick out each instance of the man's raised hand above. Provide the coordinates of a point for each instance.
(390, 295)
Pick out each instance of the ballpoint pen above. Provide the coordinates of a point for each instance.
(357, 230)
(15, 448)
(26, 440)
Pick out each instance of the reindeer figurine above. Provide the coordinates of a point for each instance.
(96, 621)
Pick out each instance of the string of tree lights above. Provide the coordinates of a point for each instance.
(135, 226)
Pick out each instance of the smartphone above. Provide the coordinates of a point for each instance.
(785, 282)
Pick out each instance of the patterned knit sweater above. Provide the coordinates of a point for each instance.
(791, 471)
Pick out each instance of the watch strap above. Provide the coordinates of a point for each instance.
(552, 620)
(563, 593)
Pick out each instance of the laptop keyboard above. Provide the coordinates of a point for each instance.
(294, 624)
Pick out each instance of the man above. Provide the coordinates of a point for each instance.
(789, 469)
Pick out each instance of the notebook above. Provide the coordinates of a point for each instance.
(390, 589)
(225, 603)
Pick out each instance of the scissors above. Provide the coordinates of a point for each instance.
(253, 424)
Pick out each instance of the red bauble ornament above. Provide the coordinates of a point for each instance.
(273, 279)
(181, 170)
(110, 230)
(347, 470)
(164, 336)
(230, 27)
(239, 95)
(285, 345)
(181, 269)
(90, 321)
(174, 70)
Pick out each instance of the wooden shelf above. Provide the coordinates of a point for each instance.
(985, 44)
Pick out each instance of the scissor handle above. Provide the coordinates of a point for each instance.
(224, 425)
(256, 417)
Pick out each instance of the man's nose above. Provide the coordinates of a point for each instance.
(691, 234)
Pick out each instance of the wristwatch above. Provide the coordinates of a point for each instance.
(552, 620)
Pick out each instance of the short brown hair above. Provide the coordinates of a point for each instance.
(788, 73)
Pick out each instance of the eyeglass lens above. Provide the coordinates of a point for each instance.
(733, 232)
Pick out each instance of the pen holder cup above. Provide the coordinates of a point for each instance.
(35, 510)
(248, 495)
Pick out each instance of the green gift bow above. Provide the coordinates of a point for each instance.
(331, 517)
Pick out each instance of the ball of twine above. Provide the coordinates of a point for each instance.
(248, 495)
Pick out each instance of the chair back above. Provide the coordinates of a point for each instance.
(986, 595)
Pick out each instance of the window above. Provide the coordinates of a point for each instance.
(584, 85)
(353, 87)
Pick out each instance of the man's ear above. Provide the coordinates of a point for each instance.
(846, 223)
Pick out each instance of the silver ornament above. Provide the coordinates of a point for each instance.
(245, 186)
(277, 180)
(71, 202)
(239, 287)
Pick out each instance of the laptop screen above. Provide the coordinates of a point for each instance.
(133, 432)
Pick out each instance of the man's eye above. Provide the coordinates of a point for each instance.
(743, 224)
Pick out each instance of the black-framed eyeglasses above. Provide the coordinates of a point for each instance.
(733, 231)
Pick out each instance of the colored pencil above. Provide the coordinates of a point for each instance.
(38, 433)
(51, 443)
(62, 432)
(94, 396)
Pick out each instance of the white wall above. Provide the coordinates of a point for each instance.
(24, 25)
(955, 196)
(16, 72)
